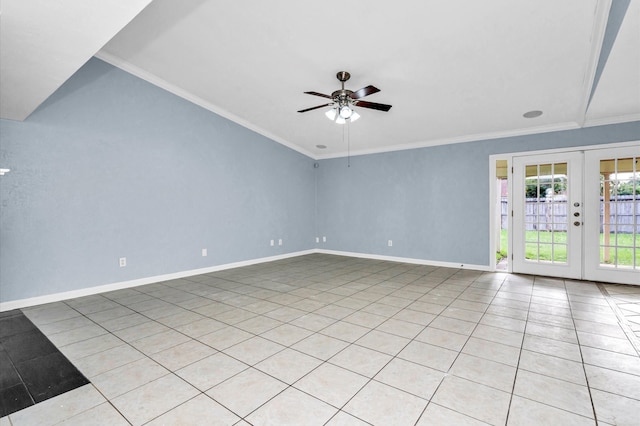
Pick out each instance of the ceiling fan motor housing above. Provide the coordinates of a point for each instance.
(342, 97)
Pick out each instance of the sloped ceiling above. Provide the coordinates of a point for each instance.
(43, 42)
(454, 71)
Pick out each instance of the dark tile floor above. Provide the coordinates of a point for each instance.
(32, 369)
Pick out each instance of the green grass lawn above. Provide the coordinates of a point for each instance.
(503, 246)
(558, 251)
(624, 251)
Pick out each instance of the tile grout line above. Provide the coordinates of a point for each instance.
(324, 362)
(524, 334)
(622, 320)
(110, 400)
(22, 380)
(200, 392)
(371, 379)
(148, 356)
(584, 369)
(446, 374)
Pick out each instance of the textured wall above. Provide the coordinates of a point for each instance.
(112, 166)
(432, 202)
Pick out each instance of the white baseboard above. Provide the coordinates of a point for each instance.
(414, 261)
(57, 297)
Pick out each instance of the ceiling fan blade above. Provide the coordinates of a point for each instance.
(373, 105)
(319, 94)
(365, 91)
(315, 107)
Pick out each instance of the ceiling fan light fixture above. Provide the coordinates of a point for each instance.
(335, 114)
(331, 114)
(345, 111)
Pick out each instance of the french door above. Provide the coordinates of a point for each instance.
(547, 214)
(577, 215)
(612, 229)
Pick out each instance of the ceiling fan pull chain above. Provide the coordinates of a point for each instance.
(348, 143)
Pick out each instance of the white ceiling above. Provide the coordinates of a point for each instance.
(454, 70)
(43, 42)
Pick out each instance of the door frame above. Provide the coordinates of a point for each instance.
(493, 211)
(493, 193)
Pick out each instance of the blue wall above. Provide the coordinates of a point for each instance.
(432, 202)
(112, 166)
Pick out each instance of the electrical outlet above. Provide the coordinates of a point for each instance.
(317, 240)
(280, 242)
(390, 243)
(204, 252)
(324, 239)
(272, 243)
(123, 262)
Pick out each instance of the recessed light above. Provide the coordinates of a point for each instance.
(532, 114)
(321, 146)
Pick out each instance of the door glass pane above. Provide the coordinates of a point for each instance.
(546, 213)
(619, 213)
(502, 210)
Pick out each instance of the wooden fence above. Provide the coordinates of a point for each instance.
(544, 215)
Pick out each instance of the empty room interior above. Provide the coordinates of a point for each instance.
(320, 213)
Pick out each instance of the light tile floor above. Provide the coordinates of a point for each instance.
(323, 339)
(627, 300)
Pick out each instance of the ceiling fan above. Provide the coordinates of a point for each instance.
(344, 100)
